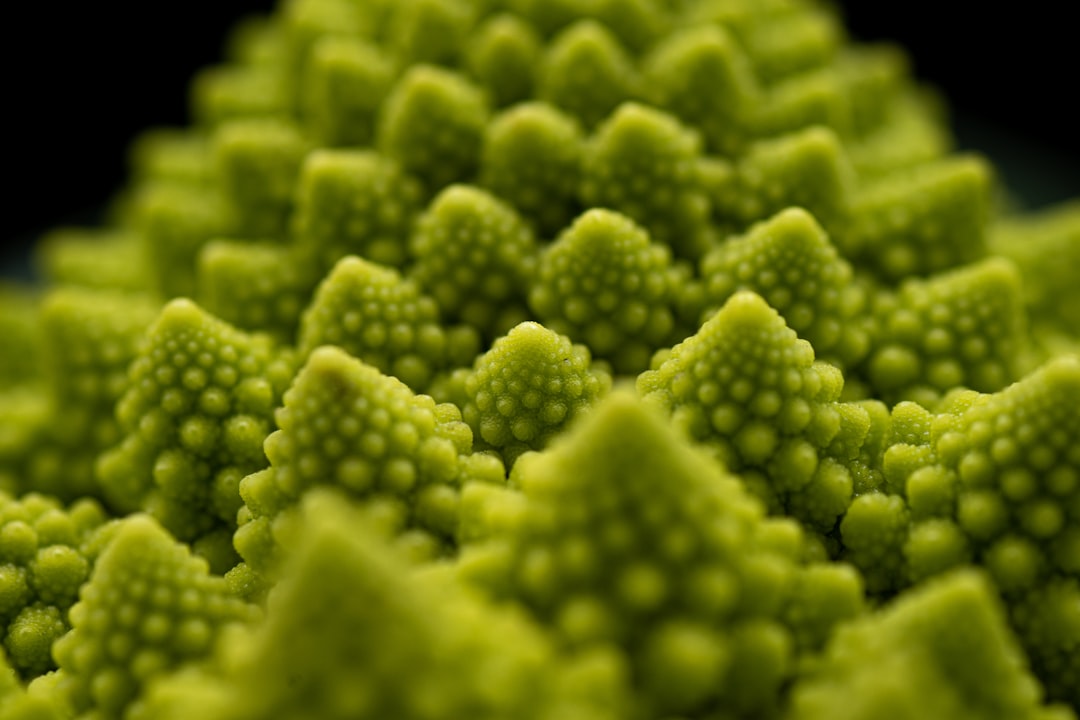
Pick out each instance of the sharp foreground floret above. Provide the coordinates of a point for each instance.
(552, 360)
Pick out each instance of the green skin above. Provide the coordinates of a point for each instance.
(572, 359)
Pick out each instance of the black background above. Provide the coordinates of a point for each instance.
(82, 79)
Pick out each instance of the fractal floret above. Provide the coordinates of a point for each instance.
(546, 360)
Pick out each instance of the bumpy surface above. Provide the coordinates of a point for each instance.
(345, 424)
(374, 314)
(528, 387)
(397, 653)
(746, 385)
(789, 261)
(626, 535)
(546, 359)
(474, 255)
(197, 409)
(603, 283)
(45, 556)
(952, 648)
(148, 607)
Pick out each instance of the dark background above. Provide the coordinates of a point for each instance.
(82, 79)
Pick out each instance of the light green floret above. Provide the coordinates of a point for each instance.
(257, 287)
(807, 168)
(90, 338)
(626, 535)
(643, 163)
(432, 123)
(429, 31)
(587, 73)
(817, 97)
(961, 328)
(636, 23)
(919, 220)
(170, 155)
(346, 81)
(1017, 460)
(1046, 249)
(750, 389)
(943, 650)
(476, 256)
(302, 23)
(353, 202)
(20, 363)
(1047, 619)
(605, 284)
(44, 560)
(197, 408)
(354, 631)
(257, 162)
(24, 419)
(347, 425)
(789, 261)
(796, 39)
(877, 78)
(108, 259)
(174, 221)
(16, 703)
(531, 158)
(226, 93)
(375, 315)
(149, 607)
(528, 387)
(998, 484)
(912, 131)
(502, 55)
(873, 533)
(702, 76)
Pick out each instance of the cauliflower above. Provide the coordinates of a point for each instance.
(587, 359)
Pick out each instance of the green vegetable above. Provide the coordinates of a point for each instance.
(586, 359)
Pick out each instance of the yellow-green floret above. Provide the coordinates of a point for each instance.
(547, 360)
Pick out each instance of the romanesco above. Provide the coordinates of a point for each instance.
(546, 359)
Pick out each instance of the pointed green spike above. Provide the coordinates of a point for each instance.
(89, 337)
(960, 328)
(258, 287)
(197, 408)
(354, 630)
(943, 650)
(375, 315)
(429, 31)
(433, 124)
(258, 162)
(475, 255)
(919, 220)
(148, 607)
(807, 168)
(353, 202)
(704, 78)
(347, 425)
(531, 157)
(790, 262)
(346, 81)
(503, 55)
(605, 284)
(528, 387)
(643, 163)
(225, 93)
(174, 222)
(749, 388)
(629, 536)
(587, 72)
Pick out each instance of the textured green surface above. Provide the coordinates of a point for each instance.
(554, 359)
